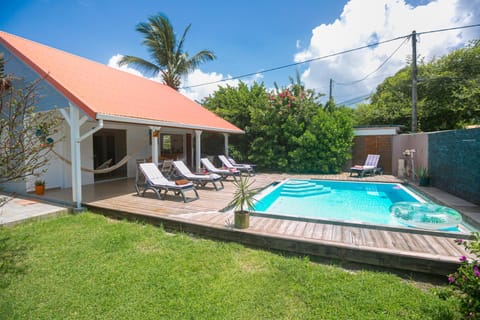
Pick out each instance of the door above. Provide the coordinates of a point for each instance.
(109, 147)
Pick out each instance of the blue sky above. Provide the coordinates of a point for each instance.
(250, 36)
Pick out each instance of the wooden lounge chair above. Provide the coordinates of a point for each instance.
(155, 181)
(200, 180)
(242, 167)
(224, 173)
(369, 167)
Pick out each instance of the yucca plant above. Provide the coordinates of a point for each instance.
(243, 201)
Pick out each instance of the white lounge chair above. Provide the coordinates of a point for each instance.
(155, 181)
(242, 167)
(370, 166)
(232, 161)
(200, 180)
(222, 172)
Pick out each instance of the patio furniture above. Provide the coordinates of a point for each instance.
(370, 166)
(167, 168)
(232, 161)
(242, 167)
(155, 181)
(222, 172)
(200, 180)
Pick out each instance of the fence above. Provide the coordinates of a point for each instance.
(454, 162)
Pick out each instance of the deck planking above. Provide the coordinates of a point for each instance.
(368, 245)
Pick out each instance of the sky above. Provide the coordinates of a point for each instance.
(249, 37)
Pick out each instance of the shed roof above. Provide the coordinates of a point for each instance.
(106, 93)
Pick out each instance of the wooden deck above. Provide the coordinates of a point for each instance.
(428, 252)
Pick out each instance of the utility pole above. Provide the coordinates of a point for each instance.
(330, 92)
(414, 81)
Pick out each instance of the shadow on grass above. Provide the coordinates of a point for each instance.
(12, 257)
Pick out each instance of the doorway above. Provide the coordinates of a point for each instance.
(109, 147)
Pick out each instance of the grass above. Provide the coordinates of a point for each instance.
(89, 267)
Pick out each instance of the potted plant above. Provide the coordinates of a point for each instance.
(242, 202)
(424, 177)
(39, 187)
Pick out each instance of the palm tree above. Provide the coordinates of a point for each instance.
(167, 54)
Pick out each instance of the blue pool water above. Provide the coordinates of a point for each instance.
(356, 202)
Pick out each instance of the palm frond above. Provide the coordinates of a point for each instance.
(200, 57)
(140, 63)
(166, 53)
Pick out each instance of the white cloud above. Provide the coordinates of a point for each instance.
(197, 77)
(209, 83)
(363, 22)
(113, 62)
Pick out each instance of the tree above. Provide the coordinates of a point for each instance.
(448, 92)
(25, 142)
(390, 104)
(167, 54)
(298, 134)
(452, 90)
(287, 129)
(237, 105)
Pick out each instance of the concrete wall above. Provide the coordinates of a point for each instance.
(454, 162)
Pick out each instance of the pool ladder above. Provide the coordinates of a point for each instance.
(303, 189)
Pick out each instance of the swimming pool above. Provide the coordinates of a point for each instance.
(341, 201)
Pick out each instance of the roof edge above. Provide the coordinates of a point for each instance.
(114, 118)
(46, 75)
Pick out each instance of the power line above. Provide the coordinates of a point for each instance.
(449, 29)
(327, 56)
(378, 68)
(297, 63)
(354, 100)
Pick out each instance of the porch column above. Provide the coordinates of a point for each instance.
(198, 141)
(74, 121)
(225, 140)
(155, 136)
(184, 150)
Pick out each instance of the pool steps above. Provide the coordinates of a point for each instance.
(302, 189)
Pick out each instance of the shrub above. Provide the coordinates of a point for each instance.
(467, 279)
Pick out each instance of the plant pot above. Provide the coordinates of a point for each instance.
(424, 181)
(242, 219)
(40, 190)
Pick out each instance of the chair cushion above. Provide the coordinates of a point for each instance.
(181, 182)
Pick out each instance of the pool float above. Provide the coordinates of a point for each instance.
(425, 215)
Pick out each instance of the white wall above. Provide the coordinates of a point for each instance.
(137, 143)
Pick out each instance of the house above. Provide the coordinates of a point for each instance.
(109, 116)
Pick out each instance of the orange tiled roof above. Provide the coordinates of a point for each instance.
(104, 92)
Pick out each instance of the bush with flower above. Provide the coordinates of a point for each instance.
(467, 278)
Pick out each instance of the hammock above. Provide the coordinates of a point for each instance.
(117, 165)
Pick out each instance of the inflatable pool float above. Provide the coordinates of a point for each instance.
(425, 215)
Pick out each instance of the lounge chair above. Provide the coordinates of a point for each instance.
(200, 180)
(155, 181)
(369, 167)
(242, 167)
(222, 172)
(232, 161)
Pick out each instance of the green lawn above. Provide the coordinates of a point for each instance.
(89, 267)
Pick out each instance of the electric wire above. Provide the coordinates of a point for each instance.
(354, 100)
(328, 56)
(378, 68)
(297, 63)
